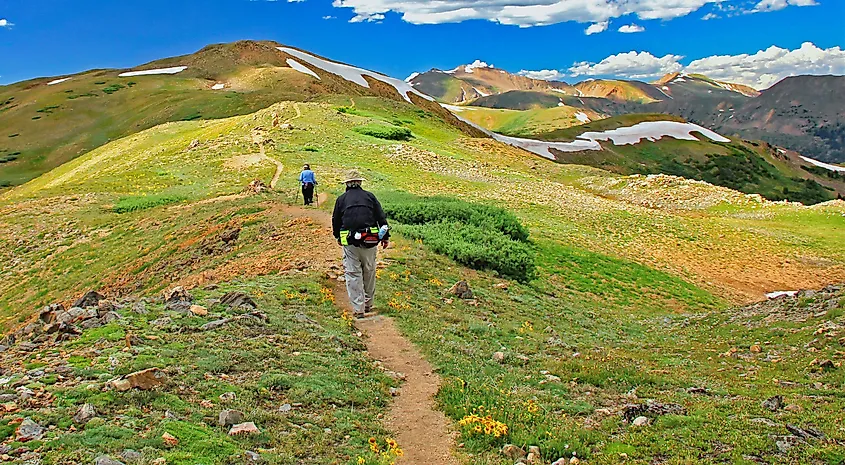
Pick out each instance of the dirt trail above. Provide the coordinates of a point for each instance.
(422, 431)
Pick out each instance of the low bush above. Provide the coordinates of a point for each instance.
(113, 88)
(476, 247)
(475, 235)
(410, 209)
(131, 204)
(385, 132)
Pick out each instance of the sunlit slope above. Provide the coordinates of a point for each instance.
(59, 234)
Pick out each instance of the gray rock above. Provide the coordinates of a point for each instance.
(140, 307)
(110, 317)
(162, 322)
(774, 403)
(238, 299)
(106, 460)
(765, 421)
(29, 430)
(252, 457)
(84, 414)
(285, 408)
(131, 455)
(105, 306)
(461, 290)
(24, 393)
(89, 299)
(215, 324)
(641, 421)
(91, 323)
(230, 417)
(3, 348)
(179, 306)
(4, 398)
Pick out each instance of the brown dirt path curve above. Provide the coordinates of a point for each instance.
(423, 432)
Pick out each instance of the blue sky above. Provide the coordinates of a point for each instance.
(397, 37)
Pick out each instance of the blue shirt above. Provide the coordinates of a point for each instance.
(307, 176)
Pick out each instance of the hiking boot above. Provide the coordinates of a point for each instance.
(360, 316)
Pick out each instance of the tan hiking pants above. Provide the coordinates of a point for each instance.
(359, 264)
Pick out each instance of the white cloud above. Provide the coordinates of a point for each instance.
(631, 29)
(766, 67)
(5, 23)
(759, 70)
(367, 18)
(597, 28)
(631, 65)
(525, 12)
(329, 17)
(543, 74)
(774, 5)
(710, 16)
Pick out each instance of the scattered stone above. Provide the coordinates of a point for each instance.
(230, 417)
(697, 390)
(773, 403)
(513, 452)
(160, 461)
(786, 442)
(244, 428)
(215, 324)
(461, 290)
(237, 299)
(641, 421)
(110, 317)
(252, 457)
(91, 323)
(794, 408)
(285, 408)
(169, 440)
(256, 187)
(503, 286)
(230, 235)
(805, 433)
(199, 310)
(90, 299)
(48, 315)
(765, 421)
(162, 322)
(106, 460)
(131, 455)
(105, 306)
(561, 461)
(394, 392)
(756, 349)
(228, 397)
(499, 357)
(85, 413)
(574, 461)
(140, 307)
(29, 430)
(632, 411)
(143, 380)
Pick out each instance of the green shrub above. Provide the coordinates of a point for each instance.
(131, 204)
(409, 209)
(385, 132)
(475, 235)
(476, 247)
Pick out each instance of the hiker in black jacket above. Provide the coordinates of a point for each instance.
(359, 225)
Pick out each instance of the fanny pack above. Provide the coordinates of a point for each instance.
(367, 237)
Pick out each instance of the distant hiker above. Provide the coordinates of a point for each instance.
(359, 225)
(308, 180)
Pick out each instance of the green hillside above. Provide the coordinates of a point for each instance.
(635, 278)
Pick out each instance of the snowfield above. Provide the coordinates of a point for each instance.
(775, 295)
(648, 130)
(150, 72)
(351, 73)
(58, 81)
(824, 165)
(301, 68)
(582, 117)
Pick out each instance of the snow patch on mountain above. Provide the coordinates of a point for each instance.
(301, 68)
(824, 165)
(353, 74)
(58, 81)
(483, 94)
(411, 77)
(582, 117)
(218, 86)
(150, 72)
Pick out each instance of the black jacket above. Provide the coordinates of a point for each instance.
(357, 209)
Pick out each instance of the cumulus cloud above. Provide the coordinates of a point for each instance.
(631, 65)
(5, 23)
(525, 12)
(597, 28)
(543, 74)
(766, 67)
(374, 18)
(774, 5)
(760, 70)
(631, 29)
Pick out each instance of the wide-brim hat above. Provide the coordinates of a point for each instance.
(353, 175)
